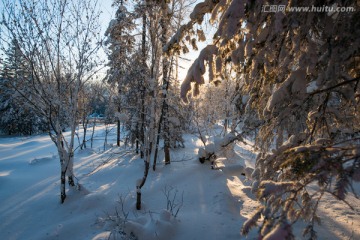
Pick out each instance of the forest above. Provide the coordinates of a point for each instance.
(180, 119)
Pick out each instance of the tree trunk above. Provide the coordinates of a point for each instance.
(146, 171)
(157, 142)
(66, 163)
(142, 87)
(62, 186)
(142, 120)
(70, 169)
(164, 22)
(106, 136)
(118, 130)
(92, 134)
(85, 124)
(137, 146)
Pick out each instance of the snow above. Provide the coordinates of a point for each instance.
(279, 232)
(152, 229)
(230, 20)
(215, 204)
(296, 82)
(197, 70)
(201, 9)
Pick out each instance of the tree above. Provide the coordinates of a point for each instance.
(297, 72)
(93, 99)
(170, 20)
(56, 40)
(159, 16)
(164, 23)
(120, 42)
(17, 117)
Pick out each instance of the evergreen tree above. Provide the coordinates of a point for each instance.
(298, 75)
(120, 41)
(17, 117)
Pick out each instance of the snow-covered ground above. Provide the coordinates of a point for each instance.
(213, 203)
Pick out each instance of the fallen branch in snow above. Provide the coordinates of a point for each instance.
(210, 150)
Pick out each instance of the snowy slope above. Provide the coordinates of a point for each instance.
(215, 202)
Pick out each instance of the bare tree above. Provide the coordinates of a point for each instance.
(59, 40)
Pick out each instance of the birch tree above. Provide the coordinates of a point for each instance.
(58, 40)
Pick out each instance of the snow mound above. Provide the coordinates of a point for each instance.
(161, 228)
(42, 160)
(232, 169)
(102, 236)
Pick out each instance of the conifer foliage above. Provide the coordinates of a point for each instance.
(289, 79)
(120, 42)
(298, 76)
(143, 75)
(16, 115)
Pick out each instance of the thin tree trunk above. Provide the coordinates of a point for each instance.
(62, 186)
(165, 109)
(226, 121)
(60, 145)
(142, 122)
(70, 149)
(137, 146)
(70, 169)
(142, 87)
(143, 180)
(85, 124)
(118, 129)
(119, 90)
(66, 164)
(157, 143)
(78, 138)
(106, 136)
(92, 134)
(159, 132)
